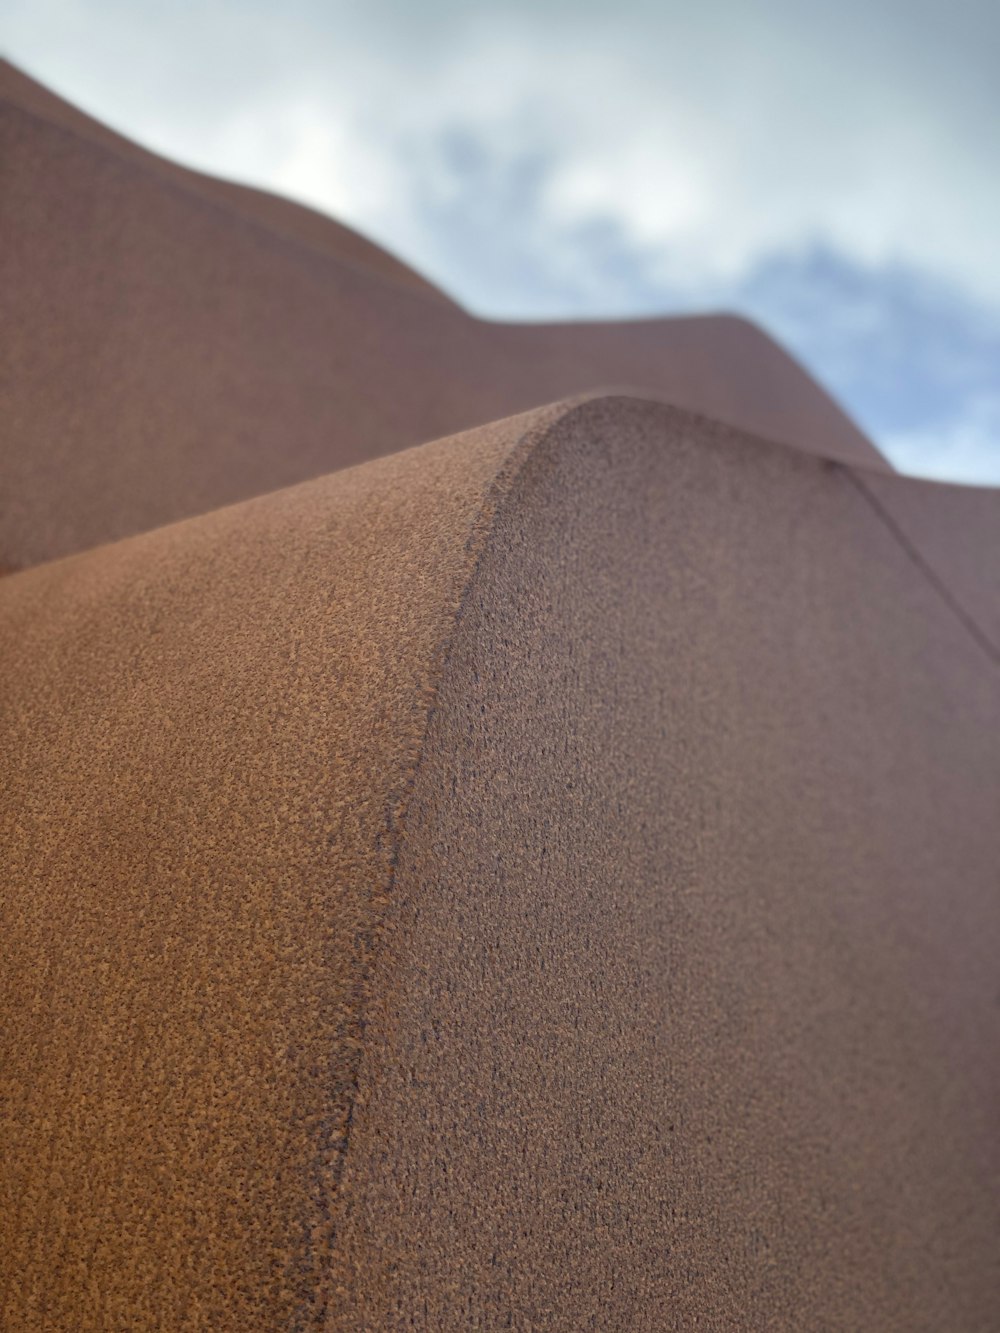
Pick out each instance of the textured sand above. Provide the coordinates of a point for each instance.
(546, 878)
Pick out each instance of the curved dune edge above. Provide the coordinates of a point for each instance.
(295, 221)
(210, 732)
(513, 694)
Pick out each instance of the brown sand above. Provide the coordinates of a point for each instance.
(546, 878)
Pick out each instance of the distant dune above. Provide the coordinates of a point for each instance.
(542, 878)
(179, 343)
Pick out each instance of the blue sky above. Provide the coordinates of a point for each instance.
(827, 170)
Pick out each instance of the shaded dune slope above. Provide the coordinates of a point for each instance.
(502, 883)
(168, 355)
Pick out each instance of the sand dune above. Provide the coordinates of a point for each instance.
(169, 356)
(542, 878)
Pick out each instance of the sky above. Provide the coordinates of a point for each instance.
(827, 170)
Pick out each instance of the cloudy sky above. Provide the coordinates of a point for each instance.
(827, 169)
